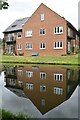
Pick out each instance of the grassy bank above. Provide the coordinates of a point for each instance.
(6, 115)
(58, 60)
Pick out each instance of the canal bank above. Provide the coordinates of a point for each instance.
(53, 60)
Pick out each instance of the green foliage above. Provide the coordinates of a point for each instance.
(75, 50)
(79, 32)
(9, 54)
(6, 115)
(4, 4)
(68, 52)
(2, 43)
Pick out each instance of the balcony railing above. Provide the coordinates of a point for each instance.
(13, 40)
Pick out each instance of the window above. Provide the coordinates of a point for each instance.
(42, 17)
(20, 72)
(43, 102)
(12, 82)
(58, 45)
(42, 31)
(29, 74)
(20, 83)
(14, 25)
(42, 75)
(29, 86)
(58, 30)
(11, 37)
(58, 77)
(69, 34)
(28, 33)
(58, 91)
(28, 46)
(10, 48)
(19, 35)
(19, 47)
(68, 74)
(43, 46)
(42, 88)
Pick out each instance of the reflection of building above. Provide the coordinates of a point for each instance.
(45, 86)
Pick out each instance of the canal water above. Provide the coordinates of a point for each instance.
(40, 91)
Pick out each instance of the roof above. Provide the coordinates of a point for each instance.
(16, 25)
(71, 26)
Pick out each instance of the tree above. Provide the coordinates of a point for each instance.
(79, 32)
(4, 4)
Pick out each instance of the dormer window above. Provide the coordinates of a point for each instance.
(42, 17)
(13, 25)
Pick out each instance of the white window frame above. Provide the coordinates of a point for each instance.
(58, 77)
(29, 74)
(42, 75)
(19, 47)
(19, 35)
(58, 90)
(42, 17)
(28, 33)
(42, 88)
(58, 43)
(20, 72)
(42, 31)
(29, 86)
(20, 83)
(43, 44)
(29, 45)
(58, 30)
(12, 82)
(43, 102)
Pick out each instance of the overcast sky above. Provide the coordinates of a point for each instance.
(25, 8)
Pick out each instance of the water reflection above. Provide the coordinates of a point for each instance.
(46, 86)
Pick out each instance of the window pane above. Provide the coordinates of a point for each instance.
(42, 17)
(60, 44)
(43, 45)
(57, 29)
(19, 34)
(57, 44)
(41, 31)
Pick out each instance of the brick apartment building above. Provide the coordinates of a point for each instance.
(44, 33)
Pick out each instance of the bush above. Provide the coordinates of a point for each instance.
(6, 115)
(7, 53)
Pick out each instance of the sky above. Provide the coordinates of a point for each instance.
(25, 8)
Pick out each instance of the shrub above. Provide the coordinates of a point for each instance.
(6, 115)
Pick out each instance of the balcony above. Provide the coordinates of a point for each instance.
(11, 40)
(71, 34)
(70, 37)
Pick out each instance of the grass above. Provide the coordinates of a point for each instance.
(58, 60)
(6, 115)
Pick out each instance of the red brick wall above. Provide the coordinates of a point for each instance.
(51, 20)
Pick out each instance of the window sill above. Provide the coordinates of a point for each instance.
(28, 36)
(42, 48)
(58, 48)
(58, 33)
(19, 49)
